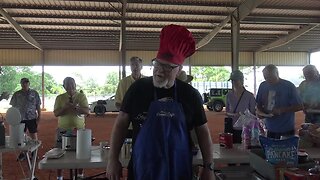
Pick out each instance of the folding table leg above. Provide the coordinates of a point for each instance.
(71, 173)
(32, 162)
(28, 160)
(76, 174)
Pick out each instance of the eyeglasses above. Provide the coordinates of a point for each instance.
(165, 67)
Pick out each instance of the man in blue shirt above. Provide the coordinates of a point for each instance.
(277, 100)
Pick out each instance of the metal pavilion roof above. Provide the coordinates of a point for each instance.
(96, 24)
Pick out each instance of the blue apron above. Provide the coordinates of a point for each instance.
(162, 150)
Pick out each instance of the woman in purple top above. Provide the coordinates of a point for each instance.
(238, 100)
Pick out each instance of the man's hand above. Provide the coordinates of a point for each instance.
(114, 169)
(207, 174)
(70, 107)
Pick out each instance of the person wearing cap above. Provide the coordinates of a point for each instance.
(184, 77)
(238, 100)
(125, 83)
(163, 111)
(307, 91)
(28, 102)
(70, 107)
(277, 101)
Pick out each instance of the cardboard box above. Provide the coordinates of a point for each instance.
(268, 170)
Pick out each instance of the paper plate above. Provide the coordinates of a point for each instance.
(54, 153)
(13, 116)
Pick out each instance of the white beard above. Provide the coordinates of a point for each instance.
(159, 83)
(165, 83)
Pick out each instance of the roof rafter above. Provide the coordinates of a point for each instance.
(116, 18)
(134, 25)
(286, 39)
(56, 7)
(244, 9)
(110, 9)
(181, 3)
(314, 8)
(280, 20)
(24, 34)
(89, 20)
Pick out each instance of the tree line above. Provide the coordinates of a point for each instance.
(11, 75)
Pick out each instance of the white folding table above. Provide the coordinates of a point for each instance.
(236, 155)
(69, 161)
(30, 146)
(225, 156)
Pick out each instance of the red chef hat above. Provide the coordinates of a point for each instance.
(176, 44)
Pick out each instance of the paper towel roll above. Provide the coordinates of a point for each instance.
(16, 138)
(83, 150)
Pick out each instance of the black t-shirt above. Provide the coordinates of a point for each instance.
(141, 93)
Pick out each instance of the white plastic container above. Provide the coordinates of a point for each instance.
(16, 138)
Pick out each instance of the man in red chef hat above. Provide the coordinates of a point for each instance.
(163, 111)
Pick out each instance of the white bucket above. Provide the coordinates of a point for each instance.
(16, 138)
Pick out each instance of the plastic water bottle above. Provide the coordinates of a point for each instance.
(246, 137)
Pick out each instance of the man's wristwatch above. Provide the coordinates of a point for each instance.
(209, 166)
